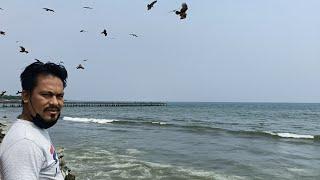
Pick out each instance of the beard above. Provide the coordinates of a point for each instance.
(41, 123)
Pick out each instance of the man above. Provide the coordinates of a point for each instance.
(26, 152)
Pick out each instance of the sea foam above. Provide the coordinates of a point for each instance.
(291, 135)
(88, 120)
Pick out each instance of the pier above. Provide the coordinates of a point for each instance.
(17, 103)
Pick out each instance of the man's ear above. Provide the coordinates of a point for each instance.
(25, 96)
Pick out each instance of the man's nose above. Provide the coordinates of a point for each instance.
(54, 100)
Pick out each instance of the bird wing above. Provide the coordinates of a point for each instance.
(153, 3)
(184, 8)
(22, 48)
(47, 9)
(80, 66)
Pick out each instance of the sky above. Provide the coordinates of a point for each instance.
(224, 51)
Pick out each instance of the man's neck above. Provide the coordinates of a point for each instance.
(25, 116)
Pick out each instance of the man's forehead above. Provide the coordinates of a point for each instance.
(49, 83)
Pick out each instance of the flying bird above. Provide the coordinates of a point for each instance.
(23, 50)
(83, 30)
(18, 92)
(182, 13)
(47, 9)
(87, 7)
(149, 6)
(37, 60)
(80, 66)
(104, 32)
(2, 33)
(134, 35)
(85, 60)
(2, 93)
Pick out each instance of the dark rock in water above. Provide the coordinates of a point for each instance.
(66, 172)
(1, 135)
(70, 176)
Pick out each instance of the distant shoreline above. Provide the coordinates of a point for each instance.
(17, 99)
(17, 103)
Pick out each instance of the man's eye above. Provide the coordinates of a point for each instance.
(46, 95)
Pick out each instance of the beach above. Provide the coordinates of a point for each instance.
(190, 141)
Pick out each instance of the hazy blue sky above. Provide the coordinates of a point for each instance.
(226, 50)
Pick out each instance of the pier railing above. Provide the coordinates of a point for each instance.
(17, 103)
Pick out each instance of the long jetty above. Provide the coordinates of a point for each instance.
(17, 103)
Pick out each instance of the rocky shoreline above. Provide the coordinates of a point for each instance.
(1, 132)
(3, 127)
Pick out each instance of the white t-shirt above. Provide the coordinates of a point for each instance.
(26, 153)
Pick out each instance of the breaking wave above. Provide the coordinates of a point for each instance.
(194, 128)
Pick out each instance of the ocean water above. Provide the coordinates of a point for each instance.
(190, 141)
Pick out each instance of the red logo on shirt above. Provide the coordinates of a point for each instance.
(51, 149)
(53, 153)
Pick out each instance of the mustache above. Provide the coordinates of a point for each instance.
(52, 109)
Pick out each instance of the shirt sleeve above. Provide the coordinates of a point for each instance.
(23, 160)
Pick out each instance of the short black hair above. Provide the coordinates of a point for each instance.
(29, 76)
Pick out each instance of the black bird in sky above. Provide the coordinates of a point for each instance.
(2, 33)
(104, 32)
(134, 35)
(85, 60)
(18, 92)
(23, 50)
(47, 9)
(37, 60)
(83, 30)
(2, 93)
(87, 7)
(182, 13)
(80, 66)
(149, 6)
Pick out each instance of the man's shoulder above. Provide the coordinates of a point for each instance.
(21, 130)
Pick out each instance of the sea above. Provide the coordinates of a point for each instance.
(223, 141)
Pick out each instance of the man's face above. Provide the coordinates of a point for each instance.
(47, 98)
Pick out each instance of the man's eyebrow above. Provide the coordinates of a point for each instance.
(46, 92)
(51, 93)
